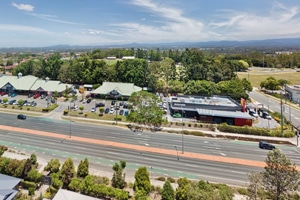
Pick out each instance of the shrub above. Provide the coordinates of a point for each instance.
(161, 178)
(31, 191)
(45, 110)
(171, 180)
(242, 191)
(66, 112)
(189, 125)
(13, 107)
(28, 108)
(2, 149)
(28, 184)
(118, 119)
(195, 125)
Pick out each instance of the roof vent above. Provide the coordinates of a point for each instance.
(47, 79)
(19, 75)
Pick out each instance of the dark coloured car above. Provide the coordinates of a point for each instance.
(113, 102)
(30, 95)
(33, 104)
(121, 112)
(100, 105)
(21, 116)
(89, 100)
(266, 145)
(106, 110)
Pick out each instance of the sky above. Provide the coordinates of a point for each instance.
(40, 23)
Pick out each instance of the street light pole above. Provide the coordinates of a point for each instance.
(182, 150)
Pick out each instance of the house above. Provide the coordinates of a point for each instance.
(67, 195)
(115, 90)
(8, 187)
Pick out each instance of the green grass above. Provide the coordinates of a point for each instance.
(256, 77)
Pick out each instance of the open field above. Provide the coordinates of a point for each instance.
(257, 75)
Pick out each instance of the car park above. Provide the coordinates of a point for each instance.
(21, 116)
(265, 145)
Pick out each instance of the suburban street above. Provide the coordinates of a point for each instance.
(102, 157)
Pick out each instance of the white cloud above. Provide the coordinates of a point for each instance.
(25, 7)
(53, 19)
(11, 27)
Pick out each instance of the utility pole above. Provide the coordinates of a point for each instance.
(281, 110)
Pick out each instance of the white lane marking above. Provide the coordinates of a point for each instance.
(188, 165)
(115, 153)
(222, 154)
(236, 172)
(152, 159)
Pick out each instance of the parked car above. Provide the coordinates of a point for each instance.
(113, 102)
(126, 112)
(121, 112)
(89, 100)
(121, 103)
(37, 95)
(30, 95)
(253, 113)
(265, 145)
(176, 115)
(125, 105)
(12, 102)
(106, 110)
(24, 102)
(33, 104)
(43, 96)
(13, 95)
(93, 110)
(75, 107)
(3, 93)
(21, 116)
(88, 95)
(100, 105)
(83, 101)
(111, 111)
(266, 115)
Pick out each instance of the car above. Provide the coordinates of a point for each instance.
(113, 102)
(33, 104)
(100, 105)
(24, 102)
(13, 95)
(75, 107)
(266, 115)
(176, 115)
(83, 101)
(21, 116)
(88, 95)
(89, 100)
(30, 95)
(106, 110)
(121, 112)
(3, 93)
(43, 96)
(121, 103)
(111, 111)
(37, 95)
(253, 113)
(126, 112)
(125, 105)
(12, 102)
(266, 145)
(93, 110)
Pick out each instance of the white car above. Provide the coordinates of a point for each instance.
(75, 108)
(112, 111)
(93, 110)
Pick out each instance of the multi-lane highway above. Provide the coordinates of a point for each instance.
(103, 156)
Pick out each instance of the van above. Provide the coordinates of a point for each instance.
(266, 145)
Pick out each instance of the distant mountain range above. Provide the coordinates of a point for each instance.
(279, 44)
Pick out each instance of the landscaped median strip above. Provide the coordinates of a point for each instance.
(140, 148)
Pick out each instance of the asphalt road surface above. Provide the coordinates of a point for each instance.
(102, 157)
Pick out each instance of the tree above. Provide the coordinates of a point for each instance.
(118, 179)
(67, 172)
(27, 168)
(83, 168)
(81, 108)
(255, 187)
(34, 175)
(142, 180)
(53, 166)
(33, 159)
(182, 189)
(75, 185)
(168, 191)
(280, 177)
(146, 110)
(270, 84)
(87, 184)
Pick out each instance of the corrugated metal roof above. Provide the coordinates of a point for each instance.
(67, 195)
(125, 89)
(8, 182)
(220, 113)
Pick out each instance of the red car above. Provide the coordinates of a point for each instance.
(2, 93)
(37, 95)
